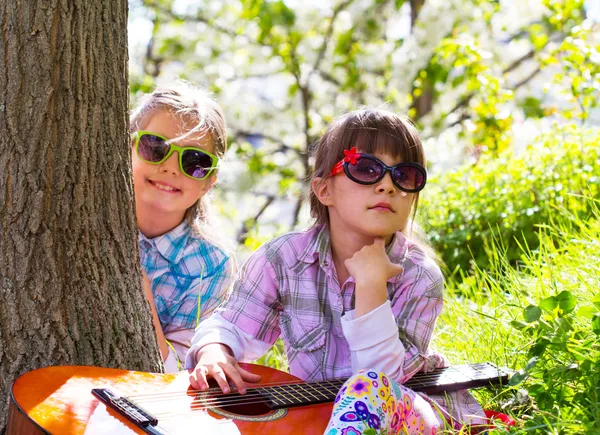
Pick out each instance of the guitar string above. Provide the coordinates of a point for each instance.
(297, 395)
(287, 397)
(210, 402)
(411, 383)
(224, 400)
(217, 390)
(207, 404)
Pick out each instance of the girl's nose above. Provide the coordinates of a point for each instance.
(386, 184)
(171, 165)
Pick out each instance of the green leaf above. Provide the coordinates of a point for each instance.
(539, 348)
(532, 107)
(531, 363)
(596, 324)
(517, 378)
(518, 325)
(532, 313)
(596, 300)
(563, 325)
(566, 301)
(549, 304)
(587, 311)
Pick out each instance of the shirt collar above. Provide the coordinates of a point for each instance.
(171, 245)
(318, 248)
(397, 249)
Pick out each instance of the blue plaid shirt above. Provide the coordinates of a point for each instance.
(190, 277)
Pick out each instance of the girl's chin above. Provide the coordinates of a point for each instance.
(161, 207)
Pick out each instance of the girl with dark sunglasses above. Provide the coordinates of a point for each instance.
(178, 139)
(354, 294)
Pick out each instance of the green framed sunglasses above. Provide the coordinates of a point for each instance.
(155, 149)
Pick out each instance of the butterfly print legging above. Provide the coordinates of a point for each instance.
(371, 400)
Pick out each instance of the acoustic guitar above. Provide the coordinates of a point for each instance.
(92, 400)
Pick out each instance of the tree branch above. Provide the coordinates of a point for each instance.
(327, 38)
(329, 78)
(283, 147)
(527, 79)
(251, 222)
(517, 85)
(200, 19)
(513, 66)
(149, 58)
(256, 75)
(519, 61)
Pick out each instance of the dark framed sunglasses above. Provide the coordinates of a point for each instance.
(363, 168)
(155, 149)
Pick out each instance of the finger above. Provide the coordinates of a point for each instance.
(219, 376)
(379, 241)
(235, 377)
(198, 378)
(248, 376)
(396, 269)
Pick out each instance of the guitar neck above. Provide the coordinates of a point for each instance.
(448, 379)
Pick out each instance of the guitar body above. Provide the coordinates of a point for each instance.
(58, 400)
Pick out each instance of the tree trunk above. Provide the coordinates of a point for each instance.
(70, 290)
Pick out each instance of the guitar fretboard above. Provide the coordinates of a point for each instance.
(441, 380)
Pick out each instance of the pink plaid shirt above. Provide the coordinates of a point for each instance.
(289, 288)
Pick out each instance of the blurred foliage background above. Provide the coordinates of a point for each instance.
(505, 94)
(482, 80)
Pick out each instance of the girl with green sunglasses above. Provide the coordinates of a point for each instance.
(178, 138)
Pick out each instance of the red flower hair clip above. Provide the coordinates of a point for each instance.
(350, 156)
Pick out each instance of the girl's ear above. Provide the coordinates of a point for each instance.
(322, 190)
(209, 183)
(213, 180)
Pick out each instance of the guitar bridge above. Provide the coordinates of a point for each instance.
(128, 409)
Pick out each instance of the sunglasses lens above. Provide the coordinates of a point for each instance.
(408, 177)
(365, 170)
(196, 163)
(152, 148)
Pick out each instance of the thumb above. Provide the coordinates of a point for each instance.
(379, 241)
(395, 269)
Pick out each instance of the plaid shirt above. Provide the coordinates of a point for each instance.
(189, 276)
(289, 287)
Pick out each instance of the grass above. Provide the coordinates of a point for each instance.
(540, 318)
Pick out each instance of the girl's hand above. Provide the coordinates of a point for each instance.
(371, 268)
(371, 264)
(216, 361)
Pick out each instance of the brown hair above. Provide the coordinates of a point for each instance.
(196, 106)
(371, 130)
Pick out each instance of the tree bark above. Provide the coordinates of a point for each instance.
(70, 290)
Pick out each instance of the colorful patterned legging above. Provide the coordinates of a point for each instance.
(371, 400)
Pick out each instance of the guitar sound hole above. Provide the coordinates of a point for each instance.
(252, 403)
(247, 404)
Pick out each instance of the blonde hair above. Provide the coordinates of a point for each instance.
(195, 105)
